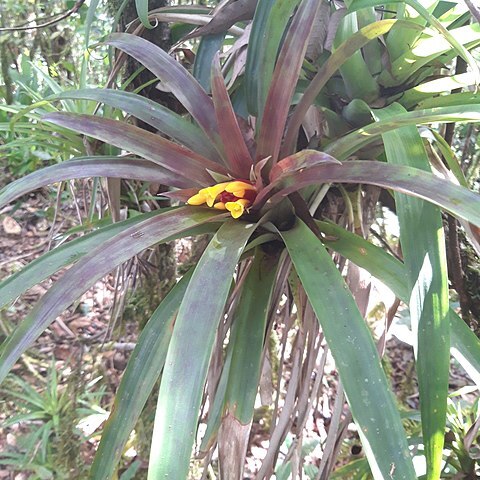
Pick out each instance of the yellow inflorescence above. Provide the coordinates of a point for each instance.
(235, 197)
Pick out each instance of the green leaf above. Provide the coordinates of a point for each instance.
(454, 99)
(209, 45)
(81, 276)
(449, 36)
(423, 247)
(465, 346)
(247, 337)
(371, 401)
(190, 350)
(451, 160)
(362, 137)
(268, 27)
(359, 82)
(425, 94)
(426, 52)
(68, 253)
(256, 45)
(335, 61)
(143, 369)
(142, 10)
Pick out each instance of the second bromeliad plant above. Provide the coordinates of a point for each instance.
(264, 157)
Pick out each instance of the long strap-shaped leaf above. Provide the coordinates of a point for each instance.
(465, 345)
(362, 137)
(453, 198)
(167, 154)
(371, 401)
(142, 11)
(284, 81)
(248, 336)
(207, 49)
(174, 76)
(425, 52)
(236, 151)
(90, 269)
(423, 247)
(189, 352)
(143, 369)
(152, 113)
(85, 167)
(338, 58)
(268, 27)
(68, 253)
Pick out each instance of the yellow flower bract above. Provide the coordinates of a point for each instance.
(212, 197)
(237, 208)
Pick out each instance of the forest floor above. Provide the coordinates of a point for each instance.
(88, 353)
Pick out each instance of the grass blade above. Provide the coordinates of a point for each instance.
(371, 401)
(189, 352)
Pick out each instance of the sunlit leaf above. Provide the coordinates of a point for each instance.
(423, 247)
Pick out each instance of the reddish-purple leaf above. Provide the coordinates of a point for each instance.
(173, 76)
(303, 159)
(236, 151)
(148, 145)
(177, 127)
(456, 199)
(284, 81)
(109, 167)
(93, 266)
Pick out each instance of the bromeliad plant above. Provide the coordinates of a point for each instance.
(253, 168)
